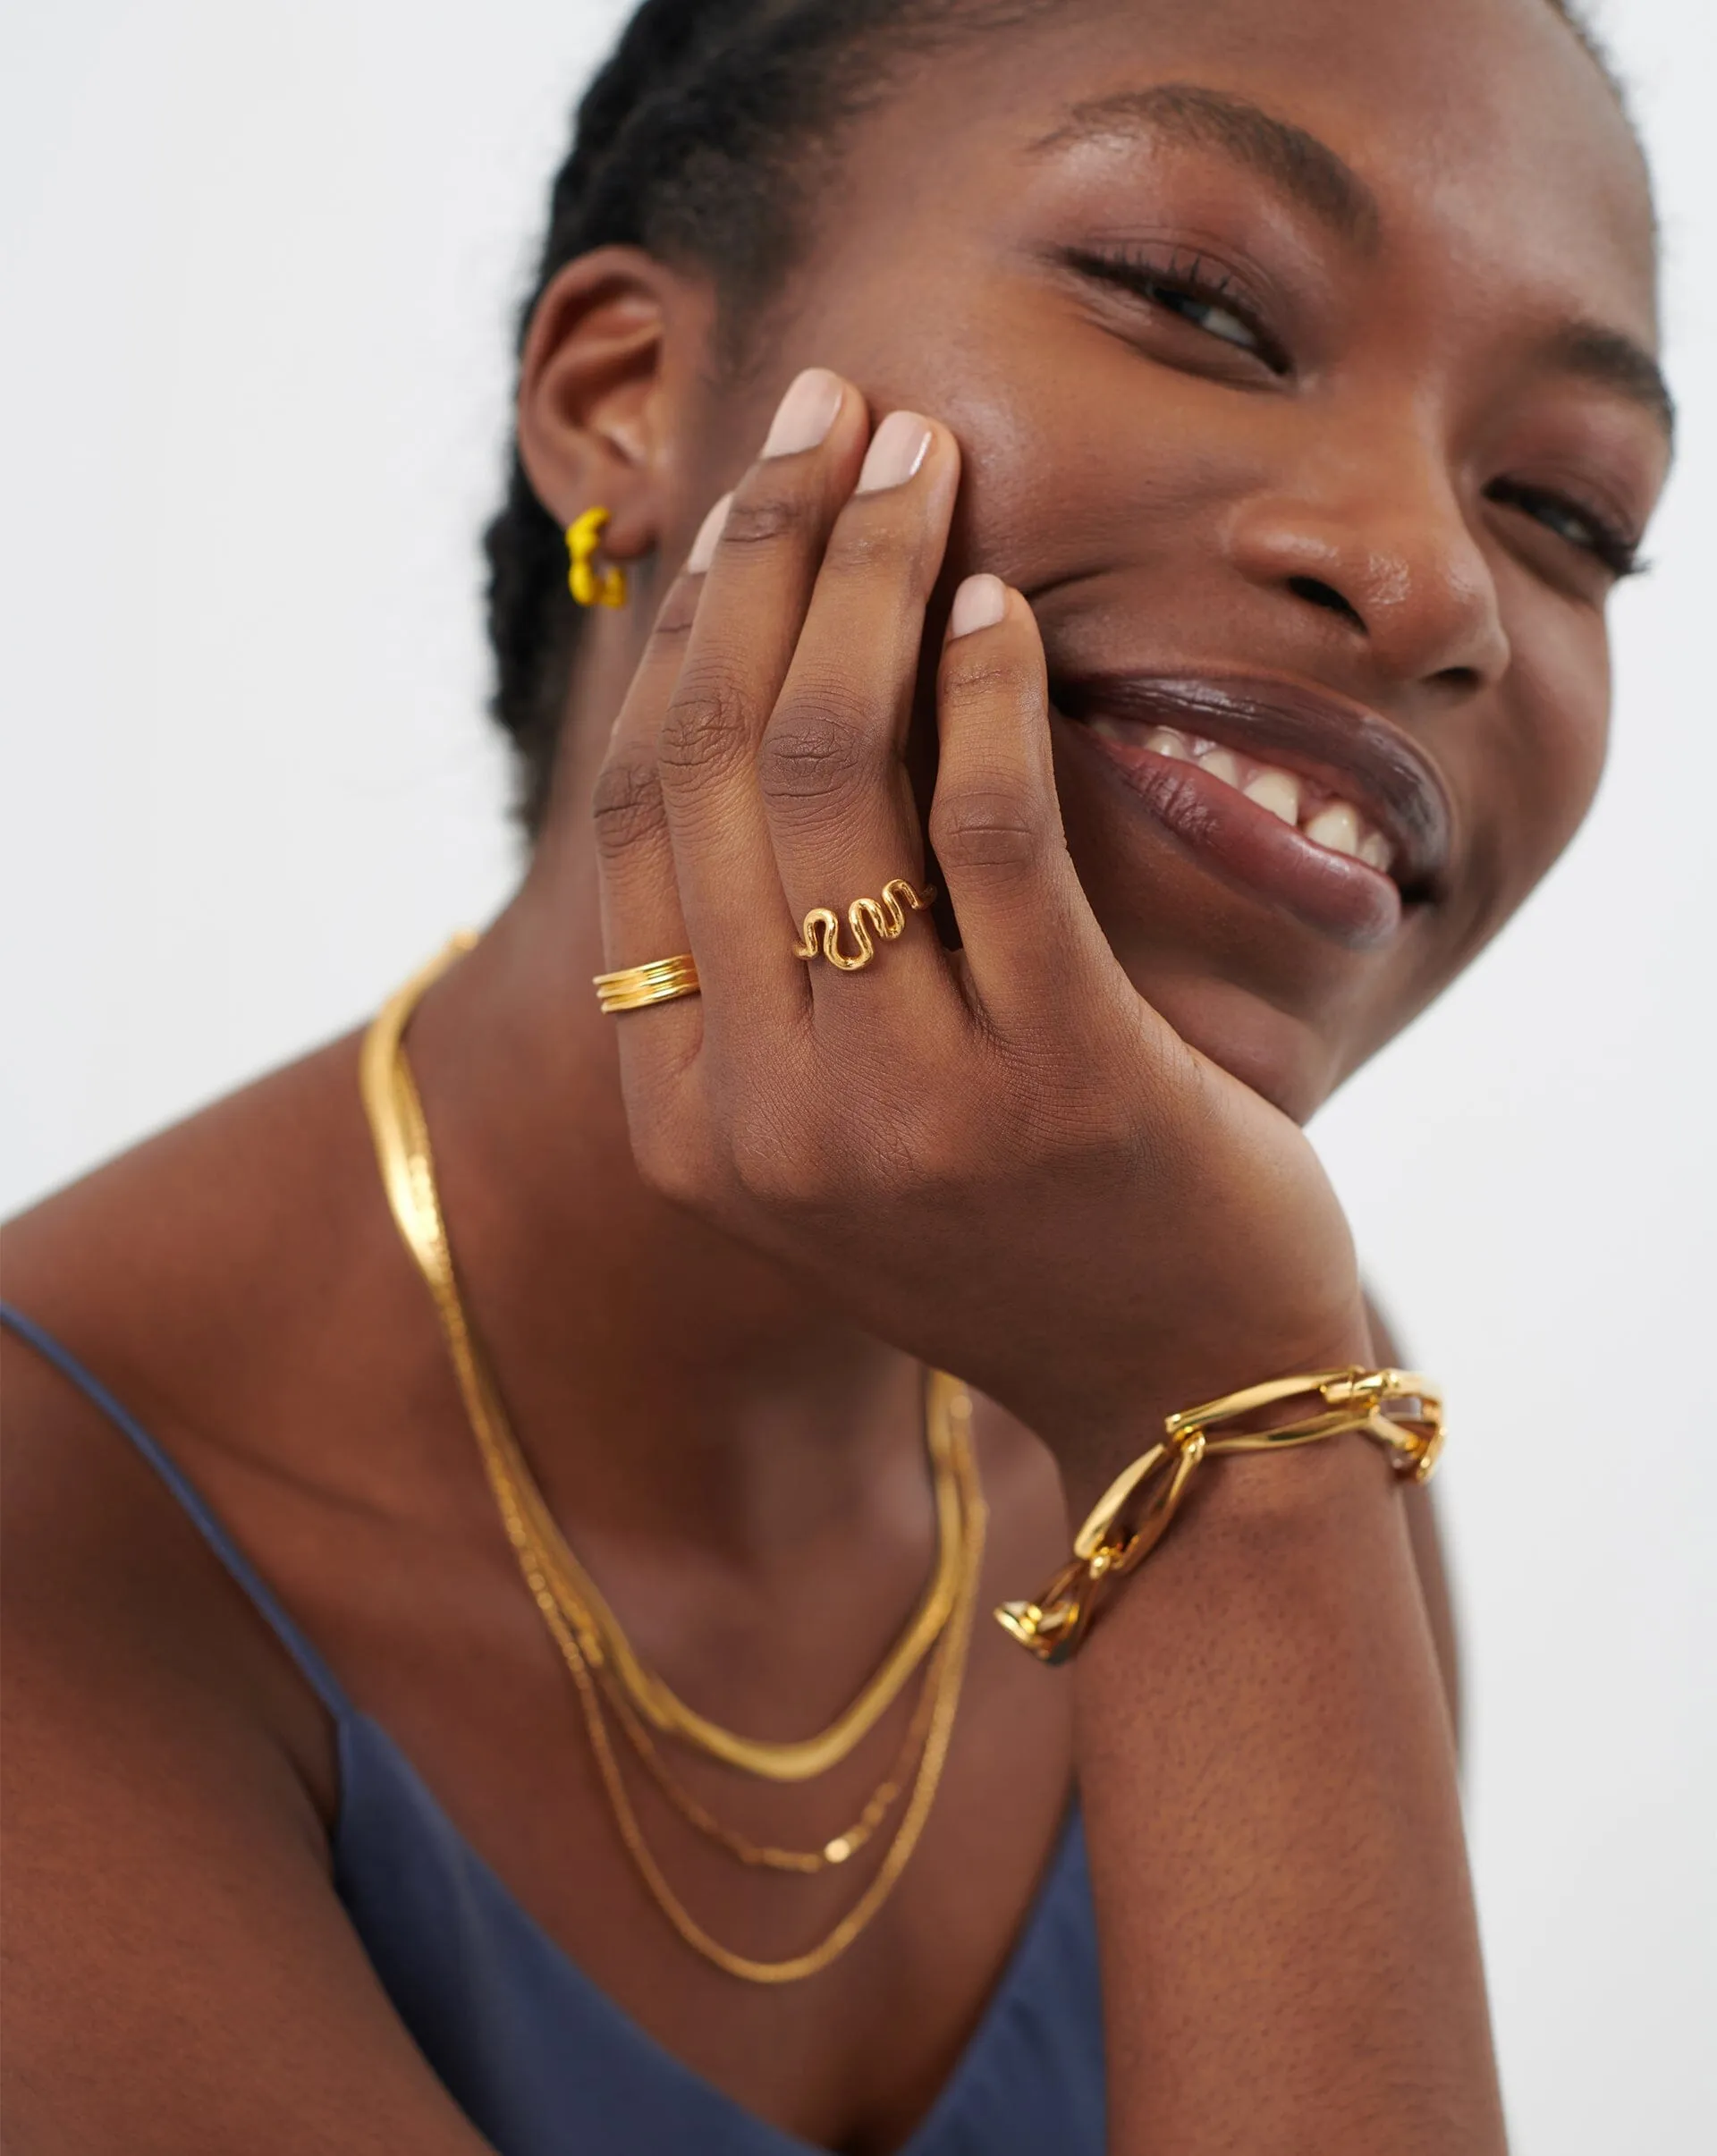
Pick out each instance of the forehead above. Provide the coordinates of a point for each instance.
(1480, 127)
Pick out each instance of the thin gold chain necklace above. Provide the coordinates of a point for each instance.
(403, 1148)
(765, 1856)
(402, 1142)
(947, 1668)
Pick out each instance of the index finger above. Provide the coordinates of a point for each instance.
(643, 922)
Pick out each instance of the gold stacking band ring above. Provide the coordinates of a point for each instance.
(886, 918)
(636, 987)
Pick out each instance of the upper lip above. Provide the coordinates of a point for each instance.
(1346, 747)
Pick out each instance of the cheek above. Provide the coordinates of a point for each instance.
(1559, 699)
(1078, 456)
(1526, 761)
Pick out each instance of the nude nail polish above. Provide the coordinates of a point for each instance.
(897, 449)
(805, 415)
(980, 603)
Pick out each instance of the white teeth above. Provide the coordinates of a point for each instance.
(1337, 828)
(1222, 763)
(1376, 852)
(1276, 791)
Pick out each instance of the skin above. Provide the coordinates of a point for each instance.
(704, 1244)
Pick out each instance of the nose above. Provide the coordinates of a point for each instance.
(1377, 538)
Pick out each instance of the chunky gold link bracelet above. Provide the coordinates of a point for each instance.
(1401, 1409)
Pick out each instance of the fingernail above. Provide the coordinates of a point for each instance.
(897, 449)
(703, 548)
(980, 603)
(805, 415)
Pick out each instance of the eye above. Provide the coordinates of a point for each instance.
(1573, 521)
(1192, 289)
(1208, 315)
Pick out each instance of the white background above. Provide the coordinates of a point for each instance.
(258, 272)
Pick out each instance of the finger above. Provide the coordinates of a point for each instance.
(749, 614)
(1035, 954)
(831, 768)
(642, 919)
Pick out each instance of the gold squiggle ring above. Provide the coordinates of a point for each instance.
(867, 918)
(636, 987)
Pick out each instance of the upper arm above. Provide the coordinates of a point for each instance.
(178, 1975)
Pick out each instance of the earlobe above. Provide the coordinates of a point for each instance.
(592, 417)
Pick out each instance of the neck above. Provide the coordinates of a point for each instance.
(661, 1378)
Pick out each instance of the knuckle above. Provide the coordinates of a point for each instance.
(770, 1180)
(676, 1151)
(706, 727)
(946, 1154)
(984, 676)
(626, 806)
(767, 518)
(864, 545)
(991, 829)
(816, 748)
(774, 1169)
(672, 628)
(672, 1170)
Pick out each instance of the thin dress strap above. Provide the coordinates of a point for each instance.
(315, 1671)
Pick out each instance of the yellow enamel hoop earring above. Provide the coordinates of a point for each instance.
(582, 539)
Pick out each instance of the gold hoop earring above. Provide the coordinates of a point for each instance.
(583, 536)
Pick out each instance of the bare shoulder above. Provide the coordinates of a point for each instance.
(151, 1260)
(179, 1971)
(179, 1976)
(155, 1273)
(111, 1599)
(117, 1613)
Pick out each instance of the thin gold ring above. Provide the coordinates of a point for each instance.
(820, 936)
(636, 987)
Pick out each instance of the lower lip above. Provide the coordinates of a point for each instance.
(1255, 851)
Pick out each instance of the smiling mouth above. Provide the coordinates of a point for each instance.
(1303, 796)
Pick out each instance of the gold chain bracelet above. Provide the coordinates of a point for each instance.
(1401, 1409)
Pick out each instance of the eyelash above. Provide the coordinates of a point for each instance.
(1182, 276)
(1189, 276)
(1609, 543)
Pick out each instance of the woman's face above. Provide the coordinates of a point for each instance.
(1301, 361)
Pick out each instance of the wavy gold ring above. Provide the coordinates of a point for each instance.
(636, 987)
(821, 935)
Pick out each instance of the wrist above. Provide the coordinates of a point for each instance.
(1400, 1415)
(1106, 1440)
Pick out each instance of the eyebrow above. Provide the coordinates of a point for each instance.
(1594, 353)
(1295, 162)
(1313, 176)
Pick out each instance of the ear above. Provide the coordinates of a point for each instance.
(603, 362)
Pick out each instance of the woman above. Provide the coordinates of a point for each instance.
(1169, 466)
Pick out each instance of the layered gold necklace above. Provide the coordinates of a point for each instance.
(604, 1667)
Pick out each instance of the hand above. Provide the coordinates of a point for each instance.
(1000, 1157)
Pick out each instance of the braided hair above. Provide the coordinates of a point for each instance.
(695, 142)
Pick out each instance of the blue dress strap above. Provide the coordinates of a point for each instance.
(314, 1671)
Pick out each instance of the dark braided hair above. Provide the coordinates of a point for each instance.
(698, 140)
